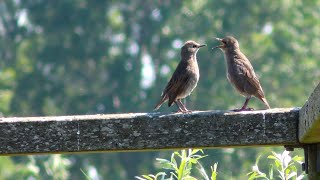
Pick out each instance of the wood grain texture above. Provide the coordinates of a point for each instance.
(148, 131)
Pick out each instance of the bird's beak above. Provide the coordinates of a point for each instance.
(202, 45)
(223, 45)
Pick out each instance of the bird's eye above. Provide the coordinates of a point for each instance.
(194, 46)
(223, 41)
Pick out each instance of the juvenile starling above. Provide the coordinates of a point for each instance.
(184, 78)
(240, 72)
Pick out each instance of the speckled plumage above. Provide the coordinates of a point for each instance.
(240, 72)
(184, 78)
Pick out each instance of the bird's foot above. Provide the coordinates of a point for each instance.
(243, 109)
(184, 111)
(187, 111)
(180, 111)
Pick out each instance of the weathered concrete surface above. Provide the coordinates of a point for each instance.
(309, 121)
(148, 131)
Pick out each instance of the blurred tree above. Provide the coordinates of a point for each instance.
(86, 57)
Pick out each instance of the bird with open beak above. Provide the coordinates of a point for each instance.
(184, 78)
(240, 72)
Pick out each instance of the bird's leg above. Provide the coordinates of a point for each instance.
(180, 109)
(246, 103)
(183, 106)
(244, 107)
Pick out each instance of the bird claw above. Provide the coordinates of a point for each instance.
(180, 111)
(184, 112)
(187, 111)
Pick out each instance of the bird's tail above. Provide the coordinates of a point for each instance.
(264, 100)
(162, 100)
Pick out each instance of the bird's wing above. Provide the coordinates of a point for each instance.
(248, 72)
(176, 84)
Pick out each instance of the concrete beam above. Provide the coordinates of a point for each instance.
(148, 131)
(309, 120)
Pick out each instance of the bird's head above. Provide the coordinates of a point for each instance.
(190, 47)
(227, 43)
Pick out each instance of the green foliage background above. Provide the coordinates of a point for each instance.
(85, 57)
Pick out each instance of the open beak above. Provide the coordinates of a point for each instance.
(223, 45)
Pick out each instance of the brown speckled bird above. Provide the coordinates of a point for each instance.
(184, 78)
(240, 72)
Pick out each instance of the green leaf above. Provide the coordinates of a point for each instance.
(202, 171)
(255, 175)
(300, 177)
(173, 174)
(272, 157)
(271, 171)
(198, 156)
(293, 168)
(140, 178)
(277, 156)
(147, 177)
(194, 161)
(293, 174)
(291, 164)
(163, 174)
(162, 161)
(281, 175)
(85, 174)
(194, 151)
(214, 171)
(166, 164)
(287, 171)
(252, 175)
(178, 154)
(297, 159)
(189, 178)
(174, 162)
(278, 164)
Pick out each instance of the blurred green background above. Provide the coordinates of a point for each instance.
(88, 56)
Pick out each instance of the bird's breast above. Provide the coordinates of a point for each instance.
(192, 80)
(235, 74)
